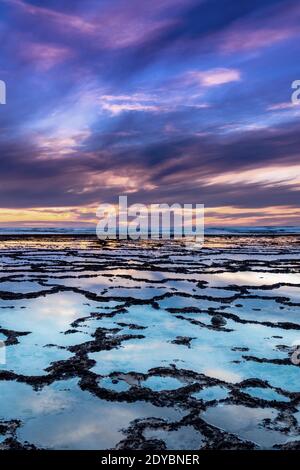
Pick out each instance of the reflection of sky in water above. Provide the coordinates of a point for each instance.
(245, 422)
(117, 286)
(113, 384)
(78, 420)
(269, 311)
(46, 318)
(45, 315)
(20, 401)
(283, 376)
(211, 351)
(23, 287)
(211, 393)
(32, 359)
(185, 438)
(265, 393)
(157, 383)
(249, 278)
(63, 416)
(179, 302)
(145, 293)
(292, 292)
(155, 275)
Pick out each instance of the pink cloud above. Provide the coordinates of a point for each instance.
(241, 39)
(63, 20)
(112, 26)
(281, 106)
(123, 103)
(214, 77)
(45, 56)
(125, 32)
(119, 108)
(262, 31)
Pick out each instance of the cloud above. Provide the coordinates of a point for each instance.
(116, 109)
(214, 77)
(137, 102)
(241, 39)
(117, 25)
(269, 176)
(282, 106)
(45, 56)
(62, 20)
(270, 26)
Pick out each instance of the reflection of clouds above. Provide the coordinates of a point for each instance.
(253, 278)
(45, 318)
(48, 401)
(30, 357)
(157, 350)
(85, 426)
(79, 421)
(19, 400)
(205, 347)
(92, 426)
(140, 356)
(116, 284)
(246, 422)
(185, 438)
(238, 418)
(223, 374)
(59, 308)
(289, 291)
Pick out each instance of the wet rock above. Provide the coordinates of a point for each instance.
(183, 340)
(294, 445)
(218, 320)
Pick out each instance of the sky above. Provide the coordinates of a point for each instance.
(166, 101)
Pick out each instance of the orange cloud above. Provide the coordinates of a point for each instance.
(266, 176)
(214, 216)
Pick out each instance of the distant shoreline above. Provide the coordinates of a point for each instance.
(16, 236)
(90, 232)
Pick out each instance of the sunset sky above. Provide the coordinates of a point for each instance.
(175, 101)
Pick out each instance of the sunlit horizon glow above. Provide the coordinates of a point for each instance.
(174, 101)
